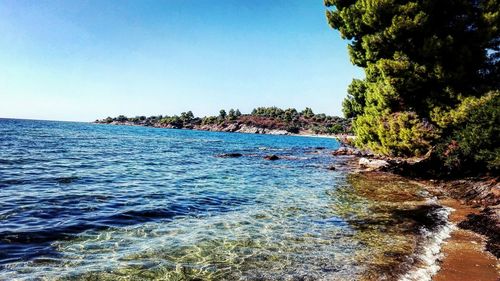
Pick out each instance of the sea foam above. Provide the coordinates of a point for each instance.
(428, 257)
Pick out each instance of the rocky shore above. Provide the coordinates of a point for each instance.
(261, 120)
(482, 194)
(235, 127)
(476, 201)
(241, 128)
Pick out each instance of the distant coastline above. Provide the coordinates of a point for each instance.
(263, 120)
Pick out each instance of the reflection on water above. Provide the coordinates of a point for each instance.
(141, 203)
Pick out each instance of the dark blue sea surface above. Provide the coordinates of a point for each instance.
(102, 202)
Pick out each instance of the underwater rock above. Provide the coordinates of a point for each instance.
(272, 157)
(230, 155)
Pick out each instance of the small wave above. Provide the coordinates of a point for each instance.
(430, 253)
(271, 148)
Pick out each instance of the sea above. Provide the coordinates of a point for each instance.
(84, 201)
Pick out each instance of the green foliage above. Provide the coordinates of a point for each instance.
(121, 118)
(210, 120)
(399, 134)
(174, 121)
(336, 129)
(290, 115)
(287, 115)
(319, 117)
(272, 112)
(353, 105)
(473, 134)
(307, 113)
(293, 128)
(231, 115)
(422, 60)
(187, 117)
(222, 114)
(458, 116)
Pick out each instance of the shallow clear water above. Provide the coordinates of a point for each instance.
(101, 202)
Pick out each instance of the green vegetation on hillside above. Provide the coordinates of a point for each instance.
(275, 118)
(431, 77)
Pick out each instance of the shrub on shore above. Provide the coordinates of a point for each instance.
(472, 140)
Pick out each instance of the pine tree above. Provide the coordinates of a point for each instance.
(421, 60)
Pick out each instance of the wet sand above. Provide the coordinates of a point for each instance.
(465, 257)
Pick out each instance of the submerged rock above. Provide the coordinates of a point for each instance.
(272, 157)
(230, 155)
(374, 164)
(331, 168)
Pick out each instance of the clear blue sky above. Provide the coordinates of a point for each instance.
(82, 60)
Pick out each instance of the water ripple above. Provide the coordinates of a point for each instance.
(94, 202)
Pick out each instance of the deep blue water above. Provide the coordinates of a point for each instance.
(83, 201)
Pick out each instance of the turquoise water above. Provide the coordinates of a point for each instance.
(101, 202)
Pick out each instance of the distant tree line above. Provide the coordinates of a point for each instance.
(262, 117)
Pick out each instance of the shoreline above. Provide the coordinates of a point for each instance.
(249, 130)
(463, 254)
(457, 252)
